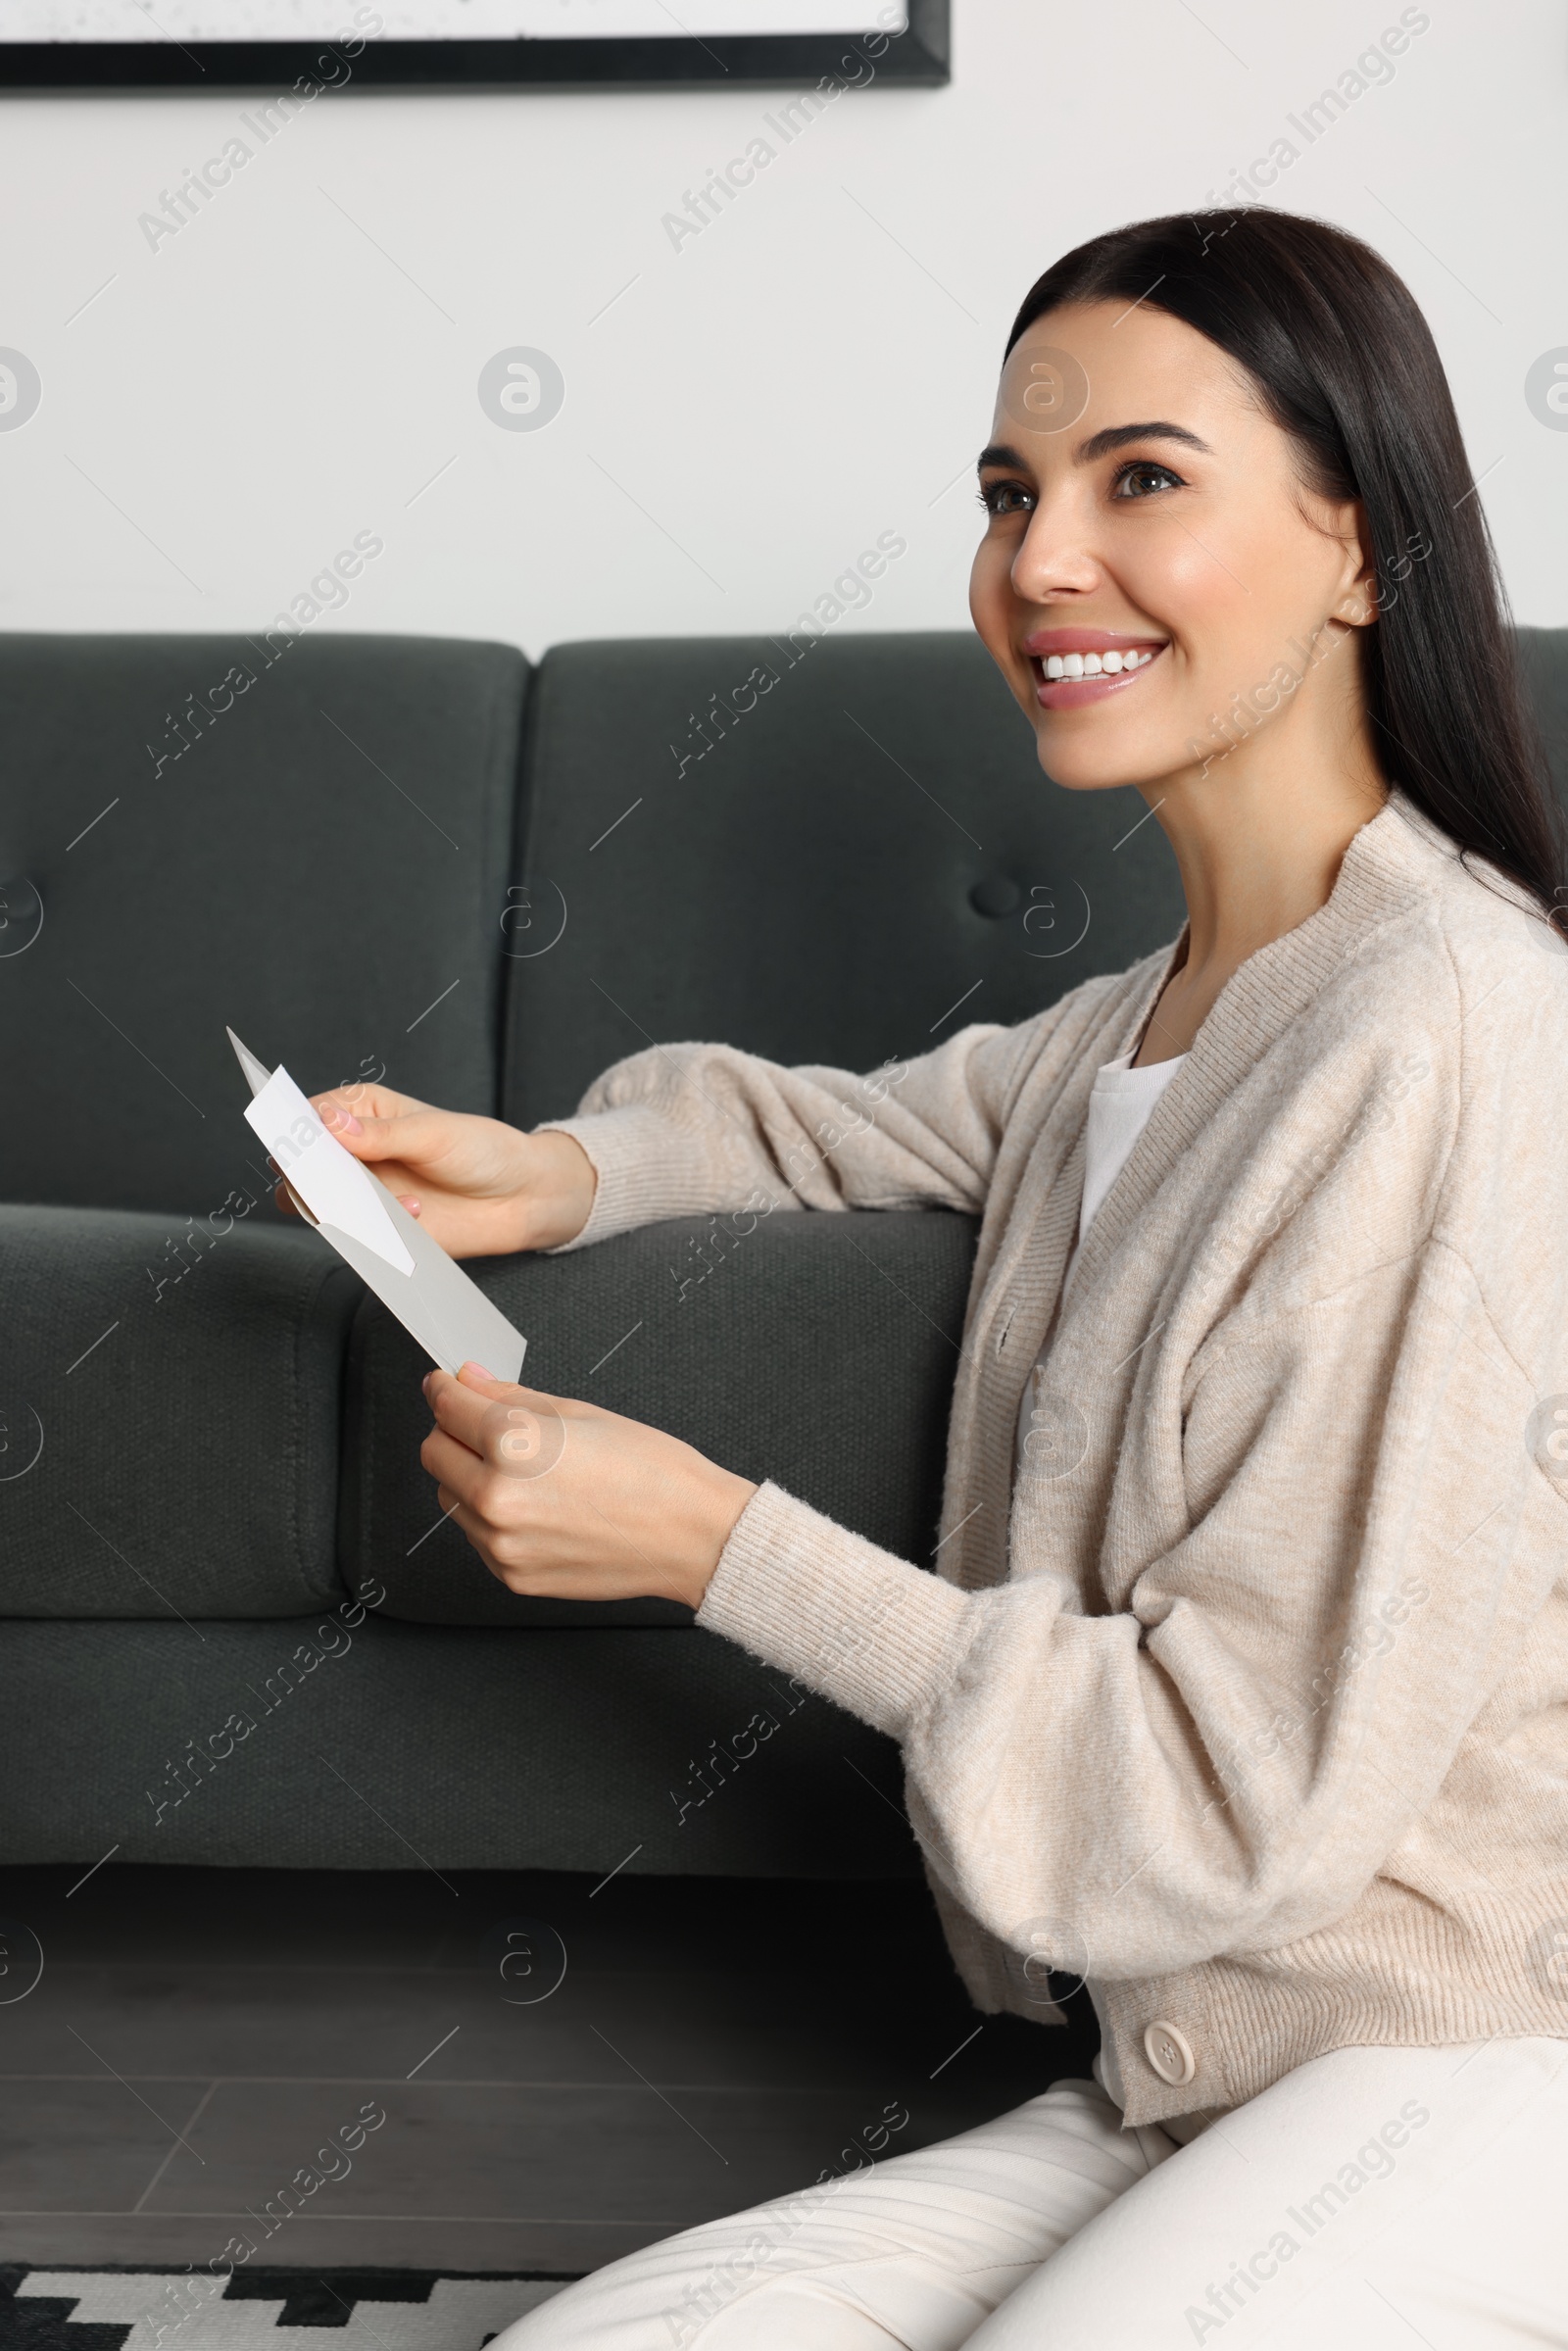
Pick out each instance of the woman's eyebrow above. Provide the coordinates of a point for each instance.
(1099, 444)
(1001, 453)
(1118, 436)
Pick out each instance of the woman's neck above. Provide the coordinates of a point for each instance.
(1259, 842)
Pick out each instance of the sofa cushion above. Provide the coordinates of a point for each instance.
(307, 837)
(341, 1741)
(866, 859)
(168, 1415)
(816, 1349)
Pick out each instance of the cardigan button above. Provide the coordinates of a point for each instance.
(1169, 2054)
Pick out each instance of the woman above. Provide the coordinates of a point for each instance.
(1243, 1689)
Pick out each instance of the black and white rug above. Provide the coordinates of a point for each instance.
(258, 2310)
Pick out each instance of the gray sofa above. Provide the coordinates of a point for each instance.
(235, 1630)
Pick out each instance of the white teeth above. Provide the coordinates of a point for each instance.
(1096, 665)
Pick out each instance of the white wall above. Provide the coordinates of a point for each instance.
(813, 368)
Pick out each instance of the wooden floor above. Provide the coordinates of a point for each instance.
(565, 2071)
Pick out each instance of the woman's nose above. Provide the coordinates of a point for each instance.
(1053, 557)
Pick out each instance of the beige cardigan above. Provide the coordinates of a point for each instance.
(1263, 1723)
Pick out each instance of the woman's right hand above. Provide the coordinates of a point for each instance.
(482, 1187)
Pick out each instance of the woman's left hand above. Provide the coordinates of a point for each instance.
(566, 1502)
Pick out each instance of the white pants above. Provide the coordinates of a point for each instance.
(1374, 2197)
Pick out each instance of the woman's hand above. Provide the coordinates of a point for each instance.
(566, 1502)
(483, 1189)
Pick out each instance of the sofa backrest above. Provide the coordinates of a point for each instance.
(1544, 656)
(307, 839)
(821, 850)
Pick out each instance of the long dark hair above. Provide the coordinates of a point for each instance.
(1347, 367)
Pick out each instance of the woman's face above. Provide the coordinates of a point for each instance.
(1155, 582)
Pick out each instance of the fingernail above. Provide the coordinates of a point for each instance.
(480, 1368)
(425, 1387)
(405, 1200)
(344, 1122)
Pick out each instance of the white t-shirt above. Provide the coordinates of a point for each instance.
(1119, 1108)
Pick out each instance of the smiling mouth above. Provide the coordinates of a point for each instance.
(1093, 665)
(1068, 675)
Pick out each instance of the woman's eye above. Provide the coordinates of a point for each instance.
(1006, 498)
(1143, 480)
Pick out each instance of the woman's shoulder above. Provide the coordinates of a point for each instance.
(1105, 996)
(1041, 1060)
(1448, 936)
(1080, 1024)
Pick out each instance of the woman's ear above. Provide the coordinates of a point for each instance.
(1358, 601)
(1357, 608)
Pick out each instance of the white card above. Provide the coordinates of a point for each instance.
(370, 1229)
(337, 1189)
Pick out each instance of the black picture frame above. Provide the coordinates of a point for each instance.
(916, 58)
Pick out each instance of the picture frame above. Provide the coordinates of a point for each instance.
(918, 57)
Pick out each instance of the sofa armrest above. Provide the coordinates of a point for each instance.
(168, 1414)
(818, 1351)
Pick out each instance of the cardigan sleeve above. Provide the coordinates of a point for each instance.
(683, 1130)
(1227, 1762)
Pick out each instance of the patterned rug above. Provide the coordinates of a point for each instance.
(259, 2309)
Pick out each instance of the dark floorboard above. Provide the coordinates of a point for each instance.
(566, 2070)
